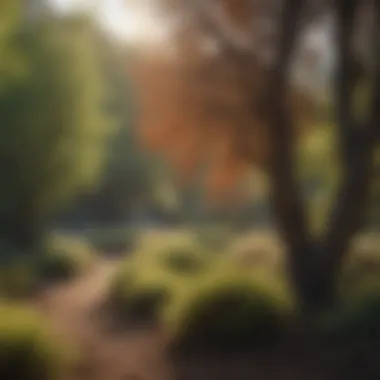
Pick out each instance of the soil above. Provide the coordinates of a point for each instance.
(73, 310)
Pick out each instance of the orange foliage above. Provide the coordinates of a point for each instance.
(197, 108)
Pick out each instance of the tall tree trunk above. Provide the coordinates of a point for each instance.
(314, 265)
(286, 199)
(358, 143)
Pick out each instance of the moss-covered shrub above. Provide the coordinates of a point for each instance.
(18, 279)
(355, 320)
(138, 297)
(28, 351)
(142, 304)
(64, 258)
(17, 272)
(114, 241)
(360, 271)
(183, 260)
(229, 310)
(215, 238)
(357, 314)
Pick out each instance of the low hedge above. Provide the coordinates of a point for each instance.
(361, 271)
(112, 241)
(138, 297)
(358, 320)
(228, 310)
(183, 260)
(64, 258)
(18, 279)
(357, 313)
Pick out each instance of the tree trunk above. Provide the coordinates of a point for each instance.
(315, 290)
(314, 266)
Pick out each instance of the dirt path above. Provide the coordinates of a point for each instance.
(140, 355)
(71, 309)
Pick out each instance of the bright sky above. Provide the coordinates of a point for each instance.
(133, 20)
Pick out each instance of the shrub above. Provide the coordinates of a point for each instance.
(138, 297)
(18, 279)
(358, 311)
(143, 303)
(113, 240)
(17, 272)
(183, 260)
(215, 239)
(356, 320)
(258, 250)
(360, 272)
(64, 258)
(28, 350)
(228, 310)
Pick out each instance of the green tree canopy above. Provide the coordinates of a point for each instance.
(53, 121)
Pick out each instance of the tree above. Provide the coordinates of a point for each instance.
(235, 70)
(53, 123)
(128, 177)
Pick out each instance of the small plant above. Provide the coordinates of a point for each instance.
(183, 260)
(114, 241)
(64, 258)
(215, 239)
(28, 350)
(18, 279)
(358, 311)
(356, 320)
(360, 272)
(136, 297)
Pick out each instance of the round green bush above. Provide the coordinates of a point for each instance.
(229, 311)
(183, 260)
(138, 297)
(355, 320)
(214, 238)
(18, 279)
(144, 304)
(64, 258)
(358, 310)
(28, 351)
(361, 269)
(113, 240)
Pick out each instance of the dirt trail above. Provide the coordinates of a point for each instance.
(71, 309)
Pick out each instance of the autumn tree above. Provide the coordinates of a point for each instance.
(230, 91)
